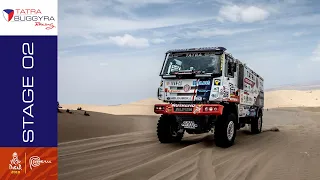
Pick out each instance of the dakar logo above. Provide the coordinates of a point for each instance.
(15, 165)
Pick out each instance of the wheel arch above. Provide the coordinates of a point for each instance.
(231, 108)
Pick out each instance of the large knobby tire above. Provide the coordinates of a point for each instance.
(167, 130)
(256, 124)
(225, 130)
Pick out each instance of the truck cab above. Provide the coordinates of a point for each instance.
(198, 76)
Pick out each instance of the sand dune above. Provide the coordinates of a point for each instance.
(292, 98)
(143, 107)
(112, 146)
(125, 109)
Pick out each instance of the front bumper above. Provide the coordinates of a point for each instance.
(197, 109)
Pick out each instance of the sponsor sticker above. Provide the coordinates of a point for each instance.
(217, 82)
(186, 88)
(234, 99)
(232, 91)
(174, 83)
(248, 81)
(226, 94)
(179, 98)
(204, 83)
(173, 91)
(214, 95)
(194, 83)
(183, 105)
(203, 90)
(197, 109)
(183, 109)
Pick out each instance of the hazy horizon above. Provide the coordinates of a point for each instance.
(111, 52)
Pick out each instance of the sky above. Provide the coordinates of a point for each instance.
(111, 51)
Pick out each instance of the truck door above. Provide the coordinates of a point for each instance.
(232, 69)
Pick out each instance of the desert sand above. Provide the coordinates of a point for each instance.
(123, 146)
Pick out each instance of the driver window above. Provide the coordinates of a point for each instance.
(230, 67)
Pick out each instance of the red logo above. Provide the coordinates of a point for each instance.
(8, 14)
(186, 88)
(47, 26)
(248, 81)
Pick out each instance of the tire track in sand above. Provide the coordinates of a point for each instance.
(93, 159)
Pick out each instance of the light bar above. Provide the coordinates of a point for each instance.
(198, 49)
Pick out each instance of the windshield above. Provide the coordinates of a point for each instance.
(209, 63)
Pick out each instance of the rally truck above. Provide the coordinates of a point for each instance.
(207, 90)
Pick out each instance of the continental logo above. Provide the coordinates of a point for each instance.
(217, 82)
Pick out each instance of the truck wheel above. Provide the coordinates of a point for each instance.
(167, 130)
(225, 130)
(256, 125)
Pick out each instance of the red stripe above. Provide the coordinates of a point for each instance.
(195, 90)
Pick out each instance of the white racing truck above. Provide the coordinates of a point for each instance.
(207, 89)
